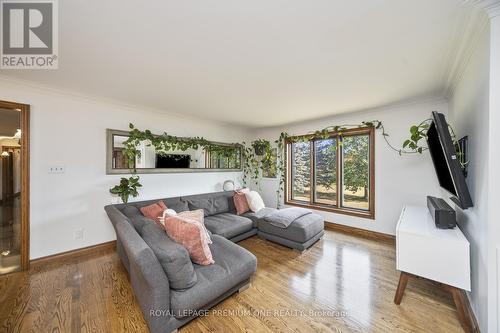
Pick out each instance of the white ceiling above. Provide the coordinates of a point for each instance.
(255, 63)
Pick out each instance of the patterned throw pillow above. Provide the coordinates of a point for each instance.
(198, 216)
(187, 229)
(154, 212)
(241, 203)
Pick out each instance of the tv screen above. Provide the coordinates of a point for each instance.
(173, 161)
(446, 162)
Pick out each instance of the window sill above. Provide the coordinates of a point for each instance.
(345, 211)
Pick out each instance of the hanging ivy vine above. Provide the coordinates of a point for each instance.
(164, 143)
(259, 154)
(412, 145)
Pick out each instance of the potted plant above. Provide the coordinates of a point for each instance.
(261, 146)
(126, 188)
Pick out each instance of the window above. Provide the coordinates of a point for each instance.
(333, 174)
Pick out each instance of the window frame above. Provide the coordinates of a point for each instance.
(338, 209)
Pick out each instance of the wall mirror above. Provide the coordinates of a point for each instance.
(172, 161)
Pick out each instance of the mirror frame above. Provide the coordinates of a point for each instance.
(109, 159)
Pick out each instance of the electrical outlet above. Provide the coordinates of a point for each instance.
(56, 169)
(79, 234)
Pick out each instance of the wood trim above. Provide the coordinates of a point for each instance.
(73, 254)
(471, 317)
(330, 209)
(25, 179)
(312, 179)
(338, 172)
(371, 179)
(338, 208)
(360, 232)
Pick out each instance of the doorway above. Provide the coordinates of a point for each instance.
(14, 187)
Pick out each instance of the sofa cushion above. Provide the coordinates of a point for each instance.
(178, 206)
(211, 206)
(135, 216)
(228, 225)
(255, 217)
(301, 230)
(173, 257)
(233, 265)
(167, 201)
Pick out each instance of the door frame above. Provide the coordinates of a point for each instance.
(25, 179)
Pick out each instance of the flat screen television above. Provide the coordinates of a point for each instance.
(446, 162)
(173, 161)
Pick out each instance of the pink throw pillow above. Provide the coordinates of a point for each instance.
(241, 203)
(154, 212)
(198, 216)
(188, 229)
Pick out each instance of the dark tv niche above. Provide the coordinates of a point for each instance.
(446, 161)
(173, 161)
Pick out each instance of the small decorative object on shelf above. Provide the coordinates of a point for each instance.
(228, 185)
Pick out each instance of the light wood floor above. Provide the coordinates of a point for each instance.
(341, 284)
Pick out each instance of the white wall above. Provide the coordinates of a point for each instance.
(69, 130)
(469, 112)
(399, 179)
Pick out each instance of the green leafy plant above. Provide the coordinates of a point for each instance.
(126, 188)
(260, 155)
(261, 147)
(417, 133)
(164, 143)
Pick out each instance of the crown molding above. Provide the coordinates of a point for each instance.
(51, 89)
(492, 7)
(465, 42)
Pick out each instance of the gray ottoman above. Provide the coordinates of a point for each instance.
(300, 235)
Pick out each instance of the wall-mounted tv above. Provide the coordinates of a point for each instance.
(173, 161)
(446, 162)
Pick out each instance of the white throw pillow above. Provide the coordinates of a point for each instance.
(167, 213)
(255, 202)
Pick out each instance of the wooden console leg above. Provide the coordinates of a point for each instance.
(462, 310)
(403, 280)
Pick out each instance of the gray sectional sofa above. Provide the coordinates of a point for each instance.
(170, 289)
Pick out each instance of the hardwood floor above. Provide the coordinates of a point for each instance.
(341, 284)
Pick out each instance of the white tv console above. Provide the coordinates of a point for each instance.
(441, 255)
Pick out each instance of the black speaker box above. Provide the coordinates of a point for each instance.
(443, 215)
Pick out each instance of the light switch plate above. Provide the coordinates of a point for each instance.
(56, 169)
